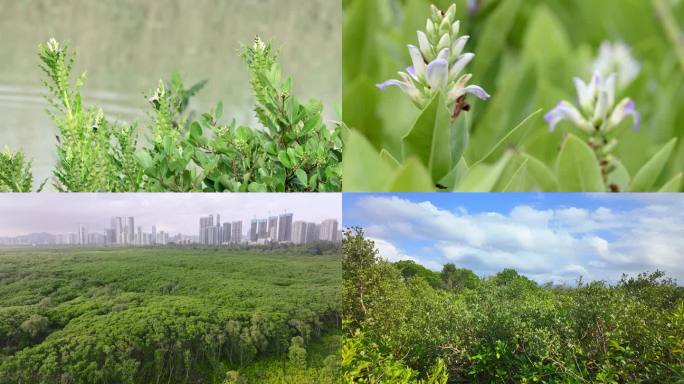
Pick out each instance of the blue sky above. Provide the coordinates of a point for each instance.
(548, 237)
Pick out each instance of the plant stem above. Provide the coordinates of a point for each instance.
(671, 28)
(597, 143)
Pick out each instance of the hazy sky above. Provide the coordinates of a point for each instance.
(547, 237)
(175, 213)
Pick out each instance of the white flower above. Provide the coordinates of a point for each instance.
(53, 46)
(438, 62)
(617, 58)
(597, 110)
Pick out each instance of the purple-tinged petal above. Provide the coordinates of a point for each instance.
(411, 71)
(565, 110)
(626, 108)
(419, 65)
(478, 92)
(389, 83)
(584, 94)
(437, 73)
(458, 45)
(460, 64)
(424, 44)
(455, 28)
(444, 42)
(609, 87)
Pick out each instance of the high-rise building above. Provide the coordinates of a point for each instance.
(207, 229)
(116, 230)
(236, 232)
(153, 235)
(273, 228)
(311, 232)
(262, 229)
(253, 232)
(299, 232)
(82, 235)
(218, 232)
(226, 233)
(285, 228)
(130, 230)
(328, 231)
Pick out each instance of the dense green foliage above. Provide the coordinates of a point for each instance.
(527, 53)
(293, 152)
(506, 328)
(166, 315)
(322, 366)
(15, 172)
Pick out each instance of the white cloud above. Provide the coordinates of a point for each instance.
(562, 242)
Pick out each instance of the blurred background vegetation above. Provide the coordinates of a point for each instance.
(527, 53)
(127, 46)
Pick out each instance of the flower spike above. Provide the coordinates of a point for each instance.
(438, 61)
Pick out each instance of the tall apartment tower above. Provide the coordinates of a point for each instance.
(262, 229)
(82, 235)
(299, 232)
(253, 234)
(285, 228)
(226, 233)
(116, 230)
(218, 233)
(273, 228)
(328, 231)
(311, 232)
(153, 235)
(207, 229)
(236, 232)
(130, 233)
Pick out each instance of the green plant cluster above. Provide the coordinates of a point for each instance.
(169, 315)
(527, 53)
(294, 151)
(15, 172)
(505, 328)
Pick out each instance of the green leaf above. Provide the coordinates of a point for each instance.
(541, 174)
(454, 176)
(647, 176)
(144, 159)
(493, 38)
(578, 168)
(257, 187)
(459, 138)
(363, 168)
(483, 177)
(674, 185)
(391, 160)
(195, 130)
(620, 176)
(489, 156)
(413, 177)
(219, 110)
(284, 159)
(360, 100)
(429, 139)
(514, 177)
(302, 176)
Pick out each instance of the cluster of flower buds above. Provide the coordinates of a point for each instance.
(438, 62)
(616, 57)
(53, 46)
(597, 111)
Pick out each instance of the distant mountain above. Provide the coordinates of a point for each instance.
(40, 238)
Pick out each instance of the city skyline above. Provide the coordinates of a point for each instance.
(171, 213)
